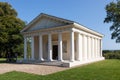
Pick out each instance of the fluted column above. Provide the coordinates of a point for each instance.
(89, 48)
(40, 48)
(49, 47)
(60, 47)
(25, 48)
(32, 48)
(100, 47)
(93, 51)
(85, 47)
(72, 46)
(95, 47)
(78, 48)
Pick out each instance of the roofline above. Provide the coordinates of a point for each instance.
(87, 29)
(44, 29)
(66, 20)
(46, 15)
(77, 25)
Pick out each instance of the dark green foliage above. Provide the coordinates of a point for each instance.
(111, 54)
(113, 16)
(10, 27)
(6, 9)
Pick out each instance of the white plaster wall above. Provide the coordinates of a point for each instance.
(36, 47)
(45, 47)
(66, 37)
(75, 46)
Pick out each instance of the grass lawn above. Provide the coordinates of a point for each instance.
(103, 70)
(2, 60)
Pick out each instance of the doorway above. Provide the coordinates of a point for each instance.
(55, 52)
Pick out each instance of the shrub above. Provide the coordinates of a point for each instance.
(112, 55)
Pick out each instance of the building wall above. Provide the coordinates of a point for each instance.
(65, 39)
(36, 47)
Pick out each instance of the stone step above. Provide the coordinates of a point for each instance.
(49, 63)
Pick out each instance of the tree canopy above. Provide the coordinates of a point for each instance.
(10, 26)
(113, 16)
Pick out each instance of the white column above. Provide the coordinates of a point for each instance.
(85, 47)
(60, 47)
(89, 48)
(78, 47)
(49, 47)
(100, 47)
(40, 48)
(72, 46)
(25, 48)
(95, 47)
(32, 48)
(93, 51)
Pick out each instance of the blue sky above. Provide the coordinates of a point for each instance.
(90, 13)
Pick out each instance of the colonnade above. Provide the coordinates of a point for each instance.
(87, 47)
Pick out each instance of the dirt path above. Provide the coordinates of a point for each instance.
(30, 68)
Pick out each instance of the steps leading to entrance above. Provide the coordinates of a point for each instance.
(48, 63)
(61, 64)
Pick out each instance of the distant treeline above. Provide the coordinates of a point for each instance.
(111, 54)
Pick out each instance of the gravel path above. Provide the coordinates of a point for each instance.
(30, 68)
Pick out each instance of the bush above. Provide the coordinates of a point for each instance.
(112, 55)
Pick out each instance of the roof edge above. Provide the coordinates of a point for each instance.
(87, 29)
(46, 15)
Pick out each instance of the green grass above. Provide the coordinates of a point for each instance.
(2, 60)
(103, 70)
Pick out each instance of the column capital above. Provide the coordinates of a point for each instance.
(25, 36)
(72, 30)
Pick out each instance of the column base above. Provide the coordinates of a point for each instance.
(32, 59)
(72, 60)
(25, 59)
(41, 59)
(50, 60)
(61, 60)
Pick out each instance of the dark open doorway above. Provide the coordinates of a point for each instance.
(55, 52)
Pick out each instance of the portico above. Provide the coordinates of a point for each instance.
(53, 38)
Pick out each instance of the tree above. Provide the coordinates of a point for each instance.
(113, 16)
(10, 27)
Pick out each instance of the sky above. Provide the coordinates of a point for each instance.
(90, 13)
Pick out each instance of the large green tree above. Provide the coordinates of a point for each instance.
(113, 16)
(10, 26)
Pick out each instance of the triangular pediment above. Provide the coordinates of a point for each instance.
(45, 21)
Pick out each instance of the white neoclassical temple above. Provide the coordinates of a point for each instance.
(58, 39)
